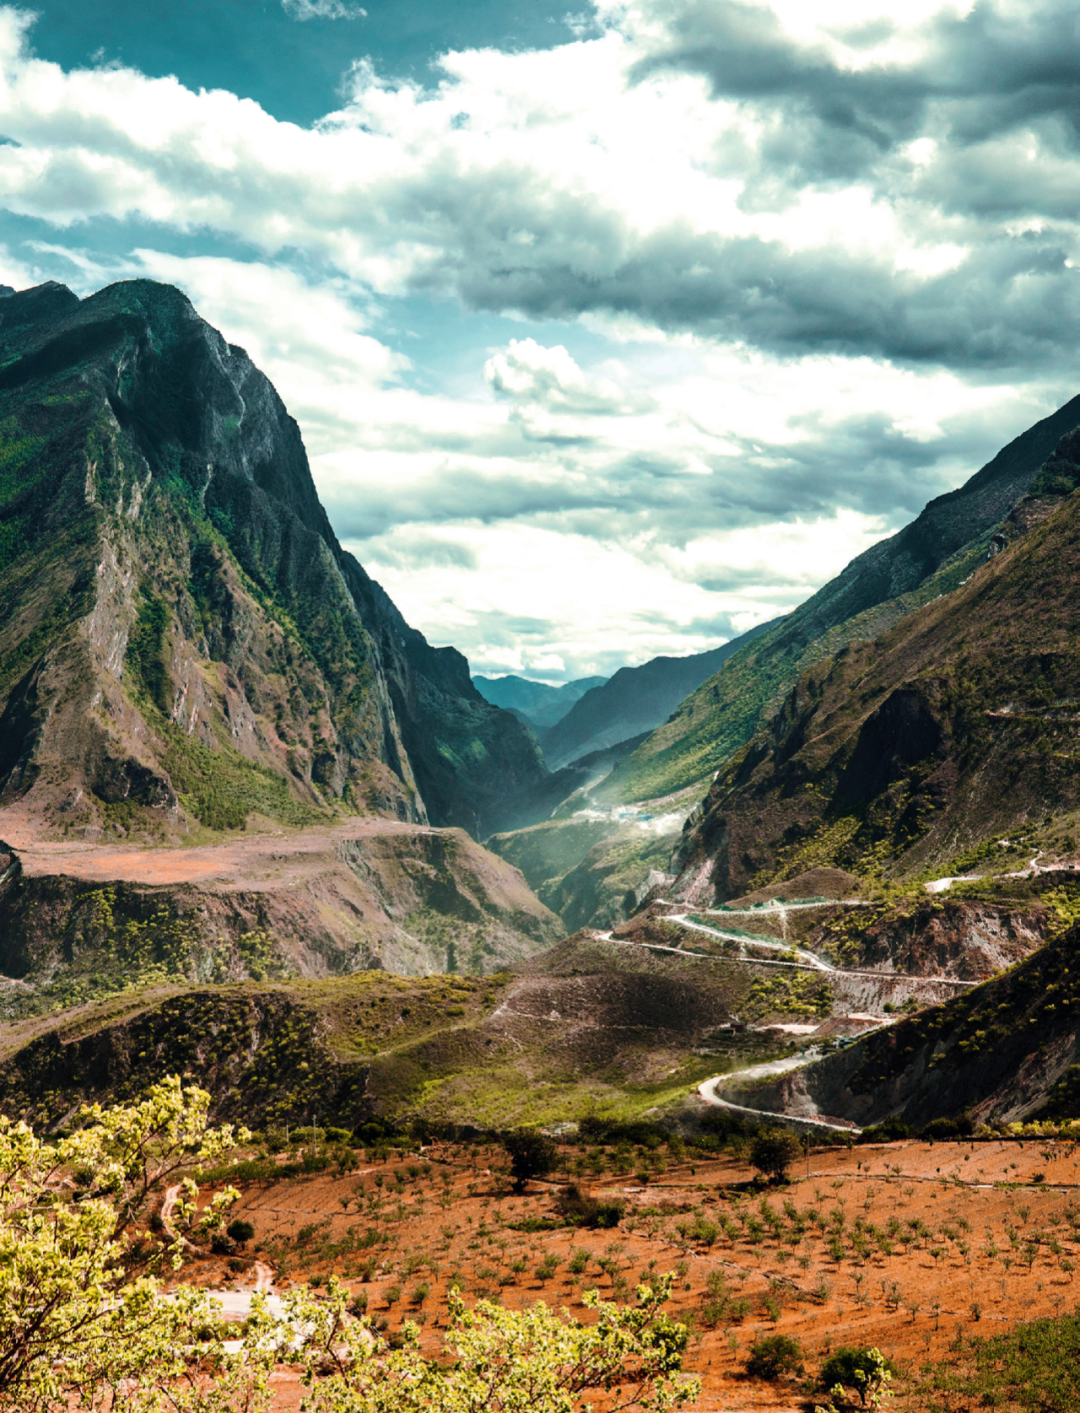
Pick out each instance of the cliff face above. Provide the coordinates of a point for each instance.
(182, 638)
(956, 727)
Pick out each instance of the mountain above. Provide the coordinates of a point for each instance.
(634, 700)
(902, 755)
(929, 557)
(539, 703)
(183, 642)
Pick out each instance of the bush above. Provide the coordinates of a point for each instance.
(859, 1369)
(890, 1130)
(587, 1211)
(774, 1356)
(773, 1151)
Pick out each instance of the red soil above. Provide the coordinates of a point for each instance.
(962, 1271)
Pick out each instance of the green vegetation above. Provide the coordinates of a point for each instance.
(772, 1152)
(798, 994)
(774, 1357)
(221, 787)
(145, 656)
(1034, 1368)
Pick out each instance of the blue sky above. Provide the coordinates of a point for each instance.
(610, 332)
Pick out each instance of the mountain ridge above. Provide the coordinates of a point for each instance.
(162, 537)
(930, 556)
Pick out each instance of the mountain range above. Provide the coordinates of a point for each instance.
(634, 700)
(540, 704)
(226, 757)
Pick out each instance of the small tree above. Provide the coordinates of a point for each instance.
(532, 1154)
(240, 1231)
(773, 1356)
(773, 1151)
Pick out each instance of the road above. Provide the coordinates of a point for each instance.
(707, 1090)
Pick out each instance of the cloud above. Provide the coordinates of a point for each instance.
(322, 10)
(778, 273)
(899, 188)
(675, 496)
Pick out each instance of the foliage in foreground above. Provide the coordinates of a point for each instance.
(503, 1360)
(84, 1323)
(79, 1303)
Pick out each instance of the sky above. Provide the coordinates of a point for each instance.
(611, 332)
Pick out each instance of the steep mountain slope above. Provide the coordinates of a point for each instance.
(955, 727)
(634, 700)
(182, 639)
(1008, 1050)
(539, 703)
(931, 556)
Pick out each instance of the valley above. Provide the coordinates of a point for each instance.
(257, 832)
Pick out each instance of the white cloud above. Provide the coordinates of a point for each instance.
(322, 10)
(607, 174)
(776, 240)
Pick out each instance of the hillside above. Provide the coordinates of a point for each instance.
(78, 921)
(634, 700)
(955, 728)
(929, 557)
(541, 704)
(1006, 1051)
(183, 642)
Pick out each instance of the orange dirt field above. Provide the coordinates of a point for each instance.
(936, 1240)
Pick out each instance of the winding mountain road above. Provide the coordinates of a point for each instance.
(707, 1090)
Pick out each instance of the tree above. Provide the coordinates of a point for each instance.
(864, 1369)
(240, 1231)
(860, 1369)
(773, 1151)
(772, 1356)
(532, 1154)
(500, 1360)
(79, 1303)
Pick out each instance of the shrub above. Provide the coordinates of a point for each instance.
(774, 1356)
(587, 1211)
(773, 1151)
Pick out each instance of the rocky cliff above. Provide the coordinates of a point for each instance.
(183, 642)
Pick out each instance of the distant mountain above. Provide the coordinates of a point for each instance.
(636, 699)
(540, 704)
(928, 558)
(183, 642)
